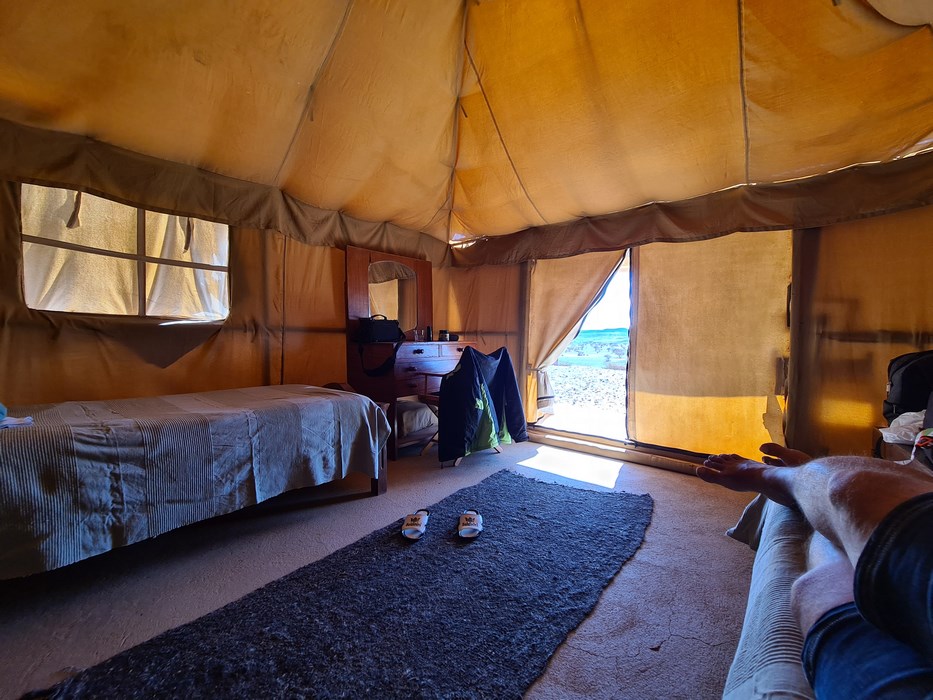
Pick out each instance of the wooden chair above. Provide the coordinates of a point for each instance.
(433, 401)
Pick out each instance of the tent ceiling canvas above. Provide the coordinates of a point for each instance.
(470, 119)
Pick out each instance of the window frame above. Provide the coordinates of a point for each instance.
(141, 260)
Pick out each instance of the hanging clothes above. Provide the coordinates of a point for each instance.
(480, 405)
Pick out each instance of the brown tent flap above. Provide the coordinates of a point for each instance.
(403, 127)
(75, 162)
(852, 193)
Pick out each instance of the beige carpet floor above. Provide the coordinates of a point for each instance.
(666, 627)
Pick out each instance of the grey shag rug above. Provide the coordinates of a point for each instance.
(386, 617)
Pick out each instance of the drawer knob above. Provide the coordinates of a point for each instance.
(411, 368)
(418, 351)
(459, 349)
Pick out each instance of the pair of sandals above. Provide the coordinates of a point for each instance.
(469, 525)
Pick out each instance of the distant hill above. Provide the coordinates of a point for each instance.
(603, 335)
(606, 347)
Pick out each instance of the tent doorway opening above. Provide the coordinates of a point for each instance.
(588, 379)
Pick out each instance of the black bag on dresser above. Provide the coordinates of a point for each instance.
(379, 329)
(910, 383)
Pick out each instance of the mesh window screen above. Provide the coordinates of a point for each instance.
(56, 279)
(61, 274)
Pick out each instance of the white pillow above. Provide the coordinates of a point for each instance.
(413, 416)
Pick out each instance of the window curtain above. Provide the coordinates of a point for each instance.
(709, 342)
(560, 293)
(51, 275)
(64, 279)
(179, 291)
(863, 297)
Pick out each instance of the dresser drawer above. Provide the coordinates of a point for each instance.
(407, 368)
(414, 351)
(453, 350)
(432, 384)
(409, 386)
(418, 368)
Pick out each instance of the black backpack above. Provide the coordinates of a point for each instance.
(910, 383)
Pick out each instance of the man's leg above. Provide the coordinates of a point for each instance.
(844, 656)
(827, 584)
(844, 498)
(779, 456)
(894, 576)
(864, 506)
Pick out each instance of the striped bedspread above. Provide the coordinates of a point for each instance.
(767, 661)
(87, 477)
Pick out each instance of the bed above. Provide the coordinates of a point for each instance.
(767, 660)
(86, 477)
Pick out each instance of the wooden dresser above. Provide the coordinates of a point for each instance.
(417, 365)
(416, 360)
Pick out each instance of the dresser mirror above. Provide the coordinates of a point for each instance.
(393, 292)
(395, 286)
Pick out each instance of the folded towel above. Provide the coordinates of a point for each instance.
(11, 422)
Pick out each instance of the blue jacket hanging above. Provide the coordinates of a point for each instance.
(480, 405)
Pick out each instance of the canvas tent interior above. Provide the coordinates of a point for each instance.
(522, 146)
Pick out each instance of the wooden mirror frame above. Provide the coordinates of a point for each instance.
(358, 261)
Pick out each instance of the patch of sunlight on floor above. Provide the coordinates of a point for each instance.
(575, 465)
(587, 420)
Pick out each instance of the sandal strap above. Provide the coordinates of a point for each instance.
(471, 520)
(470, 524)
(417, 520)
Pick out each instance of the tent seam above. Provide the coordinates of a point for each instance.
(449, 203)
(284, 309)
(495, 124)
(743, 88)
(310, 95)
